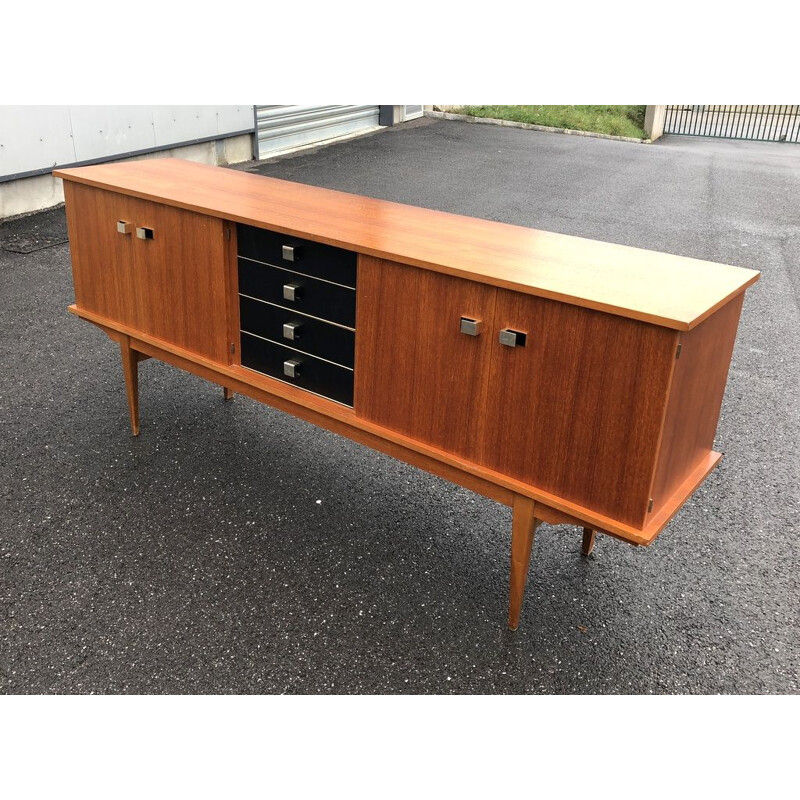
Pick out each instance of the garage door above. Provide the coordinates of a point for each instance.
(282, 128)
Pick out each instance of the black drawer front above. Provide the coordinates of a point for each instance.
(311, 258)
(320, 377)
(310, 335)
(317, 298)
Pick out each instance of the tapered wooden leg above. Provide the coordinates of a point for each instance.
(130, 368)
(523, 528)
(227, 393)
(588, 541)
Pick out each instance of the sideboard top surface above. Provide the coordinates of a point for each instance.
(673, 291)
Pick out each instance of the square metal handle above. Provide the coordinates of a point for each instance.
(291, 368)
(290, 252)
(291, 330)
(124, 227)
(512, 338)
(292, 291)
(145, 233)
(470, 326)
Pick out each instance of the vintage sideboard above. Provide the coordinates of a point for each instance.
(576, 381)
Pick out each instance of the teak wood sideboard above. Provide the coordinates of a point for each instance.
(576, 381)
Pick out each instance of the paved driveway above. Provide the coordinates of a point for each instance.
(232, 549)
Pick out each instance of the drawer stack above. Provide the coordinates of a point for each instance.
(297, 304)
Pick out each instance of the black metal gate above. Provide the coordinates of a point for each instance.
(760, 123)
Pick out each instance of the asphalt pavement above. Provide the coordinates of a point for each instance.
(233, 549)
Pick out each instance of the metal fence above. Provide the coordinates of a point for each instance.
(760, 123)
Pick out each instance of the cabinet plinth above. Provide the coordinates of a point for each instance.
(576, 381)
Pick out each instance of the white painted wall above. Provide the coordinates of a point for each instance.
(39, 138)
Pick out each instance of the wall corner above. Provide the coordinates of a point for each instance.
(654, 119)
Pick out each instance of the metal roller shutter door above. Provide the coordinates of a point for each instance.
(282, 128)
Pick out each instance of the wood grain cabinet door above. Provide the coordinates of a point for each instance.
(102, 257)
(180, 279)
(416, 372)
(171, 286)
(578, 410)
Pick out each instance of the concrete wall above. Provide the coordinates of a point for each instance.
(44, 191)
(393, 115)
(35, 139)
(654, 119)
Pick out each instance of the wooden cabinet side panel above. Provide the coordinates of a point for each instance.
(102, 258)
(578, 411)
(416, 373)
(695, 399)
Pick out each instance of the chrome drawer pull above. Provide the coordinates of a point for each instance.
(290, 253)
(145, 233)
(292, 291)
(291, 368)
(470, 326)
(291, 330)
(124, 227)
(512, 338)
